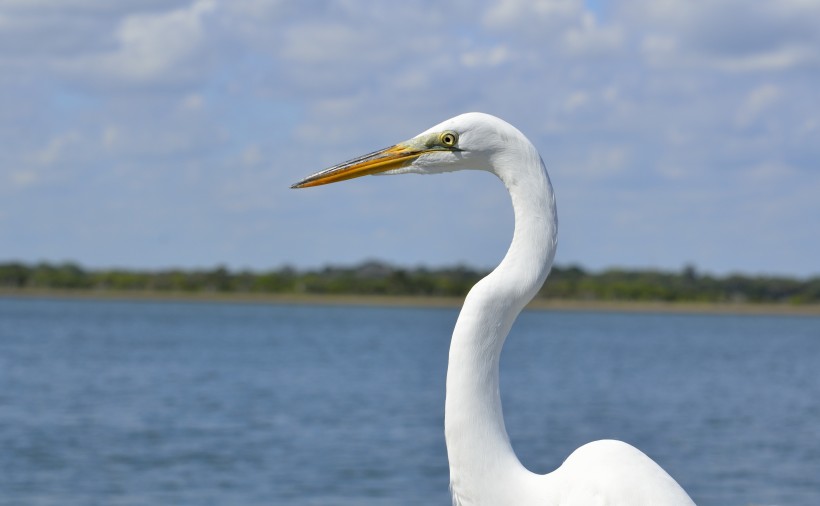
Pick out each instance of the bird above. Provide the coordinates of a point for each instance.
(484, 470)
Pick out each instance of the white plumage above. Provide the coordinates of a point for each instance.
(484, 470)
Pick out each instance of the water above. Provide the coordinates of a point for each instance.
(137, 403)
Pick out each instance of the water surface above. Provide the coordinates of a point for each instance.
(144, 403)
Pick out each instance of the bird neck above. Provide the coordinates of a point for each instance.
(478, 447)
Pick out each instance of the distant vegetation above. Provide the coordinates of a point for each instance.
(376, 278)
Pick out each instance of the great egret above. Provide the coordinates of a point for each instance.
(483, 467)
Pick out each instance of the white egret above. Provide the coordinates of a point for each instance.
(483, 467)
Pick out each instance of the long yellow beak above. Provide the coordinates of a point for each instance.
(386, 159)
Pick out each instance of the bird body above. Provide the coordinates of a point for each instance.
(484, 470)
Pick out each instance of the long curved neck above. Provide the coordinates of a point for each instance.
(478, 447)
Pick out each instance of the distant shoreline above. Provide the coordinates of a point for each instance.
(411, 301)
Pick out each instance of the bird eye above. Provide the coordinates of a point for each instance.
(449, 139)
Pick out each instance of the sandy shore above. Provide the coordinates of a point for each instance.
(408, 301)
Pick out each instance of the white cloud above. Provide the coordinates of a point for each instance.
(83, 6)
(179, 138)
(323, 43)
(554, 29)
(728, 35)
(23, 178)
(518, 14)
(769, 171)
(194, 100)
(48, 163)
(491, 57)
(576, 100)
(590, 39)
(659, 49)
(783, 58)
(55, 150)
(252, 155)
(46, 31)
(151, 48)
(756, 102)
(110, 136)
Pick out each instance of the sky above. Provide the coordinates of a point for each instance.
(166, 133)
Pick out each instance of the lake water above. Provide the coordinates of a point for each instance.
(149, 403)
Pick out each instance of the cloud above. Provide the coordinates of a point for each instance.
(687, 121)
(559, 27)
(56, 148)
(43, 165)
(47, 30)
(491, 57)
(757, 101)
(589, 39)
(23, 178)
(729, 35)
(151, 48)
(517, 14)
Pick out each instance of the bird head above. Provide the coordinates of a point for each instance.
(467, 141)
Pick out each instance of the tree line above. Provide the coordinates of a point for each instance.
(379, 278)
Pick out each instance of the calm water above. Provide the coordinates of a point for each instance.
(134, 403)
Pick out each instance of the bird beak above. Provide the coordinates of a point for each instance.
(394, 157)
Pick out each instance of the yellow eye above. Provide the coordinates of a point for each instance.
(449, 139)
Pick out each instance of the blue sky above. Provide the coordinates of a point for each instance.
(160, 133)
